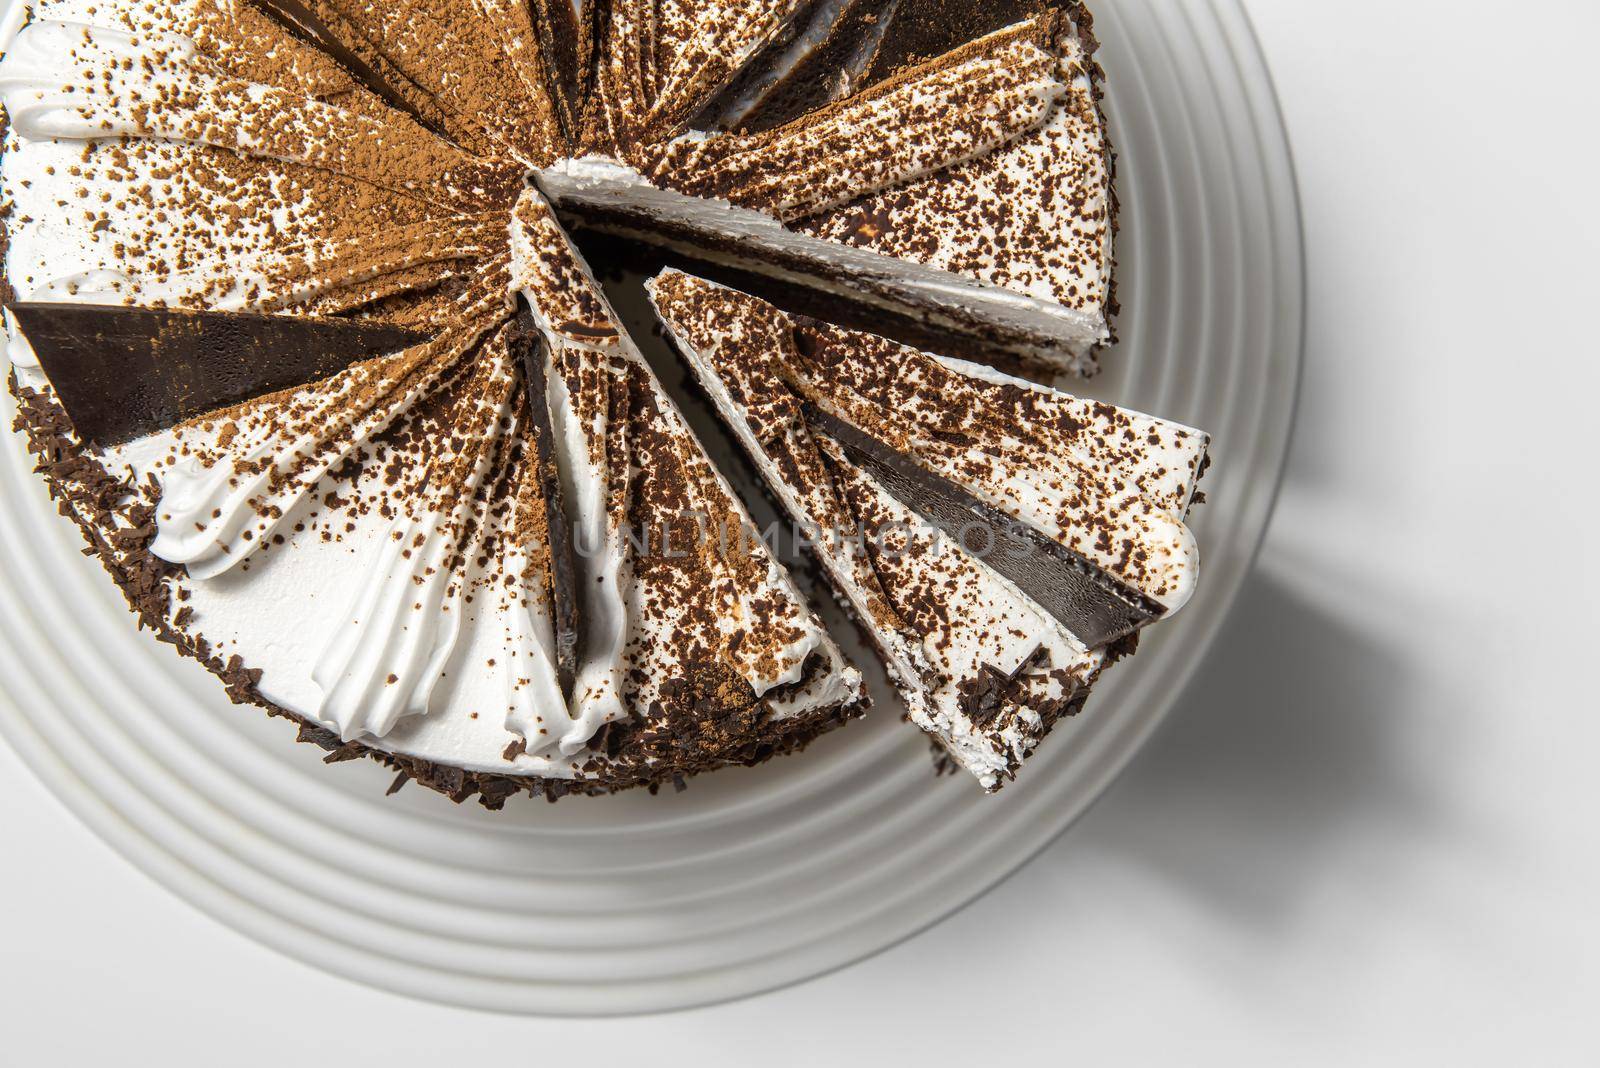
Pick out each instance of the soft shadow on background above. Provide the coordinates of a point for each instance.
(1285, 744)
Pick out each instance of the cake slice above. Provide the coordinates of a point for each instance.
(965, 193)
(983, 667)
(481, 543)
(1035, 218)
(699, 649)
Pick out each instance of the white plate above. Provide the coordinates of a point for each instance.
(752, 878)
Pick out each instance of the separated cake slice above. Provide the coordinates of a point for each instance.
(845, 426)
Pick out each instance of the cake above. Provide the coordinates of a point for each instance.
(849, 430)
(305, 341)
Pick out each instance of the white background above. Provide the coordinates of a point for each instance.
(1370, 832)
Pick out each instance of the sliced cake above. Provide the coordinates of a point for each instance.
(849, 430)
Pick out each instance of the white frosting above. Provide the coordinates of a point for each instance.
(388, 657)
(386, 661)
(579, 376)
(76, 81)
(285, 611)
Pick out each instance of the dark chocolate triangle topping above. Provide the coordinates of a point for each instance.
(924, 29)
(764, 97)
(566, 43)
(122, 372)
(1095, 605)
(868, 42)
